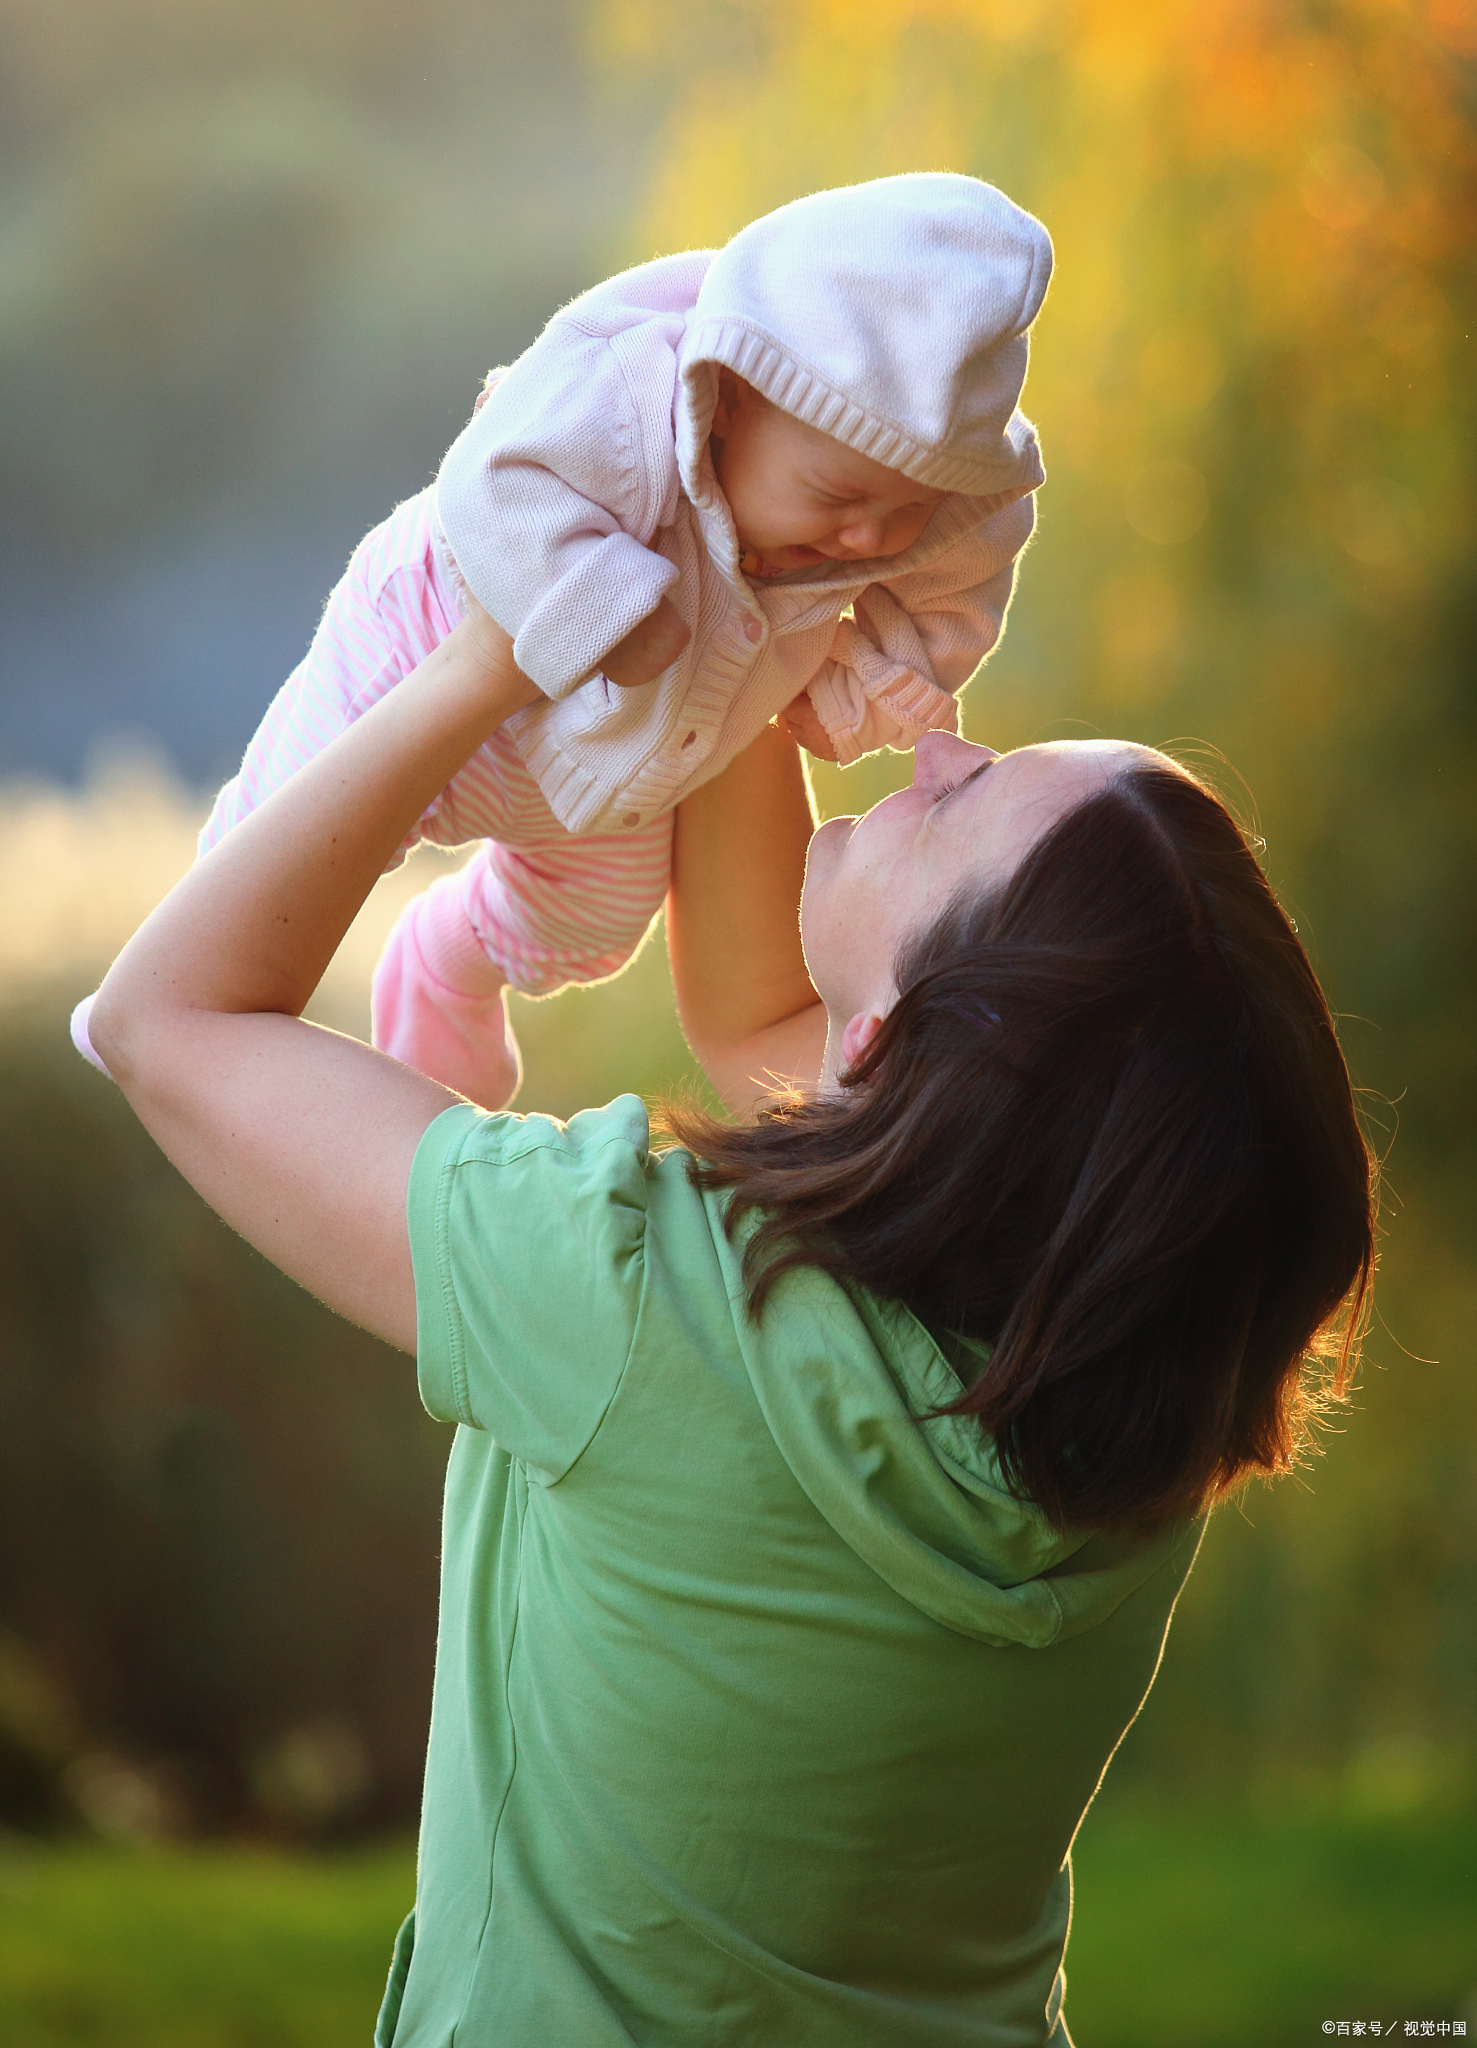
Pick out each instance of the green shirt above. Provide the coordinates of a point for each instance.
(763, 1712)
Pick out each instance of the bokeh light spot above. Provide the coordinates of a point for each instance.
(1342, 187)
(1167, 502)
(1377, 522)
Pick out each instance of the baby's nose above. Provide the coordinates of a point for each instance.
(864, 537)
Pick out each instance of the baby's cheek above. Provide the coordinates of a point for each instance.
(786, 515)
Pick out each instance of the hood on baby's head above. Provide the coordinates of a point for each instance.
(892, 316)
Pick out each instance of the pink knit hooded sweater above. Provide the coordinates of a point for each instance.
(891, 315)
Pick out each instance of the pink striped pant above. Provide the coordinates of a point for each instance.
(537, 906)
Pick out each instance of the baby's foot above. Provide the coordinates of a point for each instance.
(461, 1038)
(464, 1042)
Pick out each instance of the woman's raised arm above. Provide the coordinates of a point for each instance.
(300, 1138)
(733, 926)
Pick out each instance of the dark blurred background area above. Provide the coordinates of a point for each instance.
(256, 260)
(253, 261)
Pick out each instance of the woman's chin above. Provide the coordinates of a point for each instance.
(826, 843)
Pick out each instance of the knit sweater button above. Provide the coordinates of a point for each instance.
(752, 629)
(631, 818)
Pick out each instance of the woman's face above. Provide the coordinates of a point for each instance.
(969, 816)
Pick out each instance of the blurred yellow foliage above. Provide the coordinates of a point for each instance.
(1252, 374)
(1220, 179)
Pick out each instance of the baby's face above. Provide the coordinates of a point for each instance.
(800, 498)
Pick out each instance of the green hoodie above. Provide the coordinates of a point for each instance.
(763, 1711)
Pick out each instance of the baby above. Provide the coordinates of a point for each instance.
(787, 478)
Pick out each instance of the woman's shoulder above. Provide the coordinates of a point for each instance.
(528, 1240)
(542, 1250)
(549, 1182)
(608, 1147)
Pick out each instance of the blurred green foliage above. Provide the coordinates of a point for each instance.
(1221, 1924)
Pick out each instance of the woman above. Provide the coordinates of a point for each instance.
(815, 1517)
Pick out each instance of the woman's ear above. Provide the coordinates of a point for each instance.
(858, 1035)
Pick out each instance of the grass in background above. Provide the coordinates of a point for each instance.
(1218, 1925)
(221, 1947)
(1196, 1922)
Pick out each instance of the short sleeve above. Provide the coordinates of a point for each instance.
(528, 1239)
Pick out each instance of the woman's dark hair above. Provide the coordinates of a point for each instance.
(1108, 1130)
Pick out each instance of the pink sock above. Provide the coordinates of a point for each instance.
(80, 1036)
(437, 1000)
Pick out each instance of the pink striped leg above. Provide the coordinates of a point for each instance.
(532, 917)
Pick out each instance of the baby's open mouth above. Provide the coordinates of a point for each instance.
(775, 561)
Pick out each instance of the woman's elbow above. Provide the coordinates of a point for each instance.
(128, 1032)
(111, 1028)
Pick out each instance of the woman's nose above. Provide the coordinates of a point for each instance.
(940, 757)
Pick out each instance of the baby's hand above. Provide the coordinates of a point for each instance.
(800, 722)
(652, 645)
(489, 384)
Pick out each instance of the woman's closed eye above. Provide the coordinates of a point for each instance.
(948, 789)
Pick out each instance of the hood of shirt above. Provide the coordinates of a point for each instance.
(891, 315)
(846, 1384)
